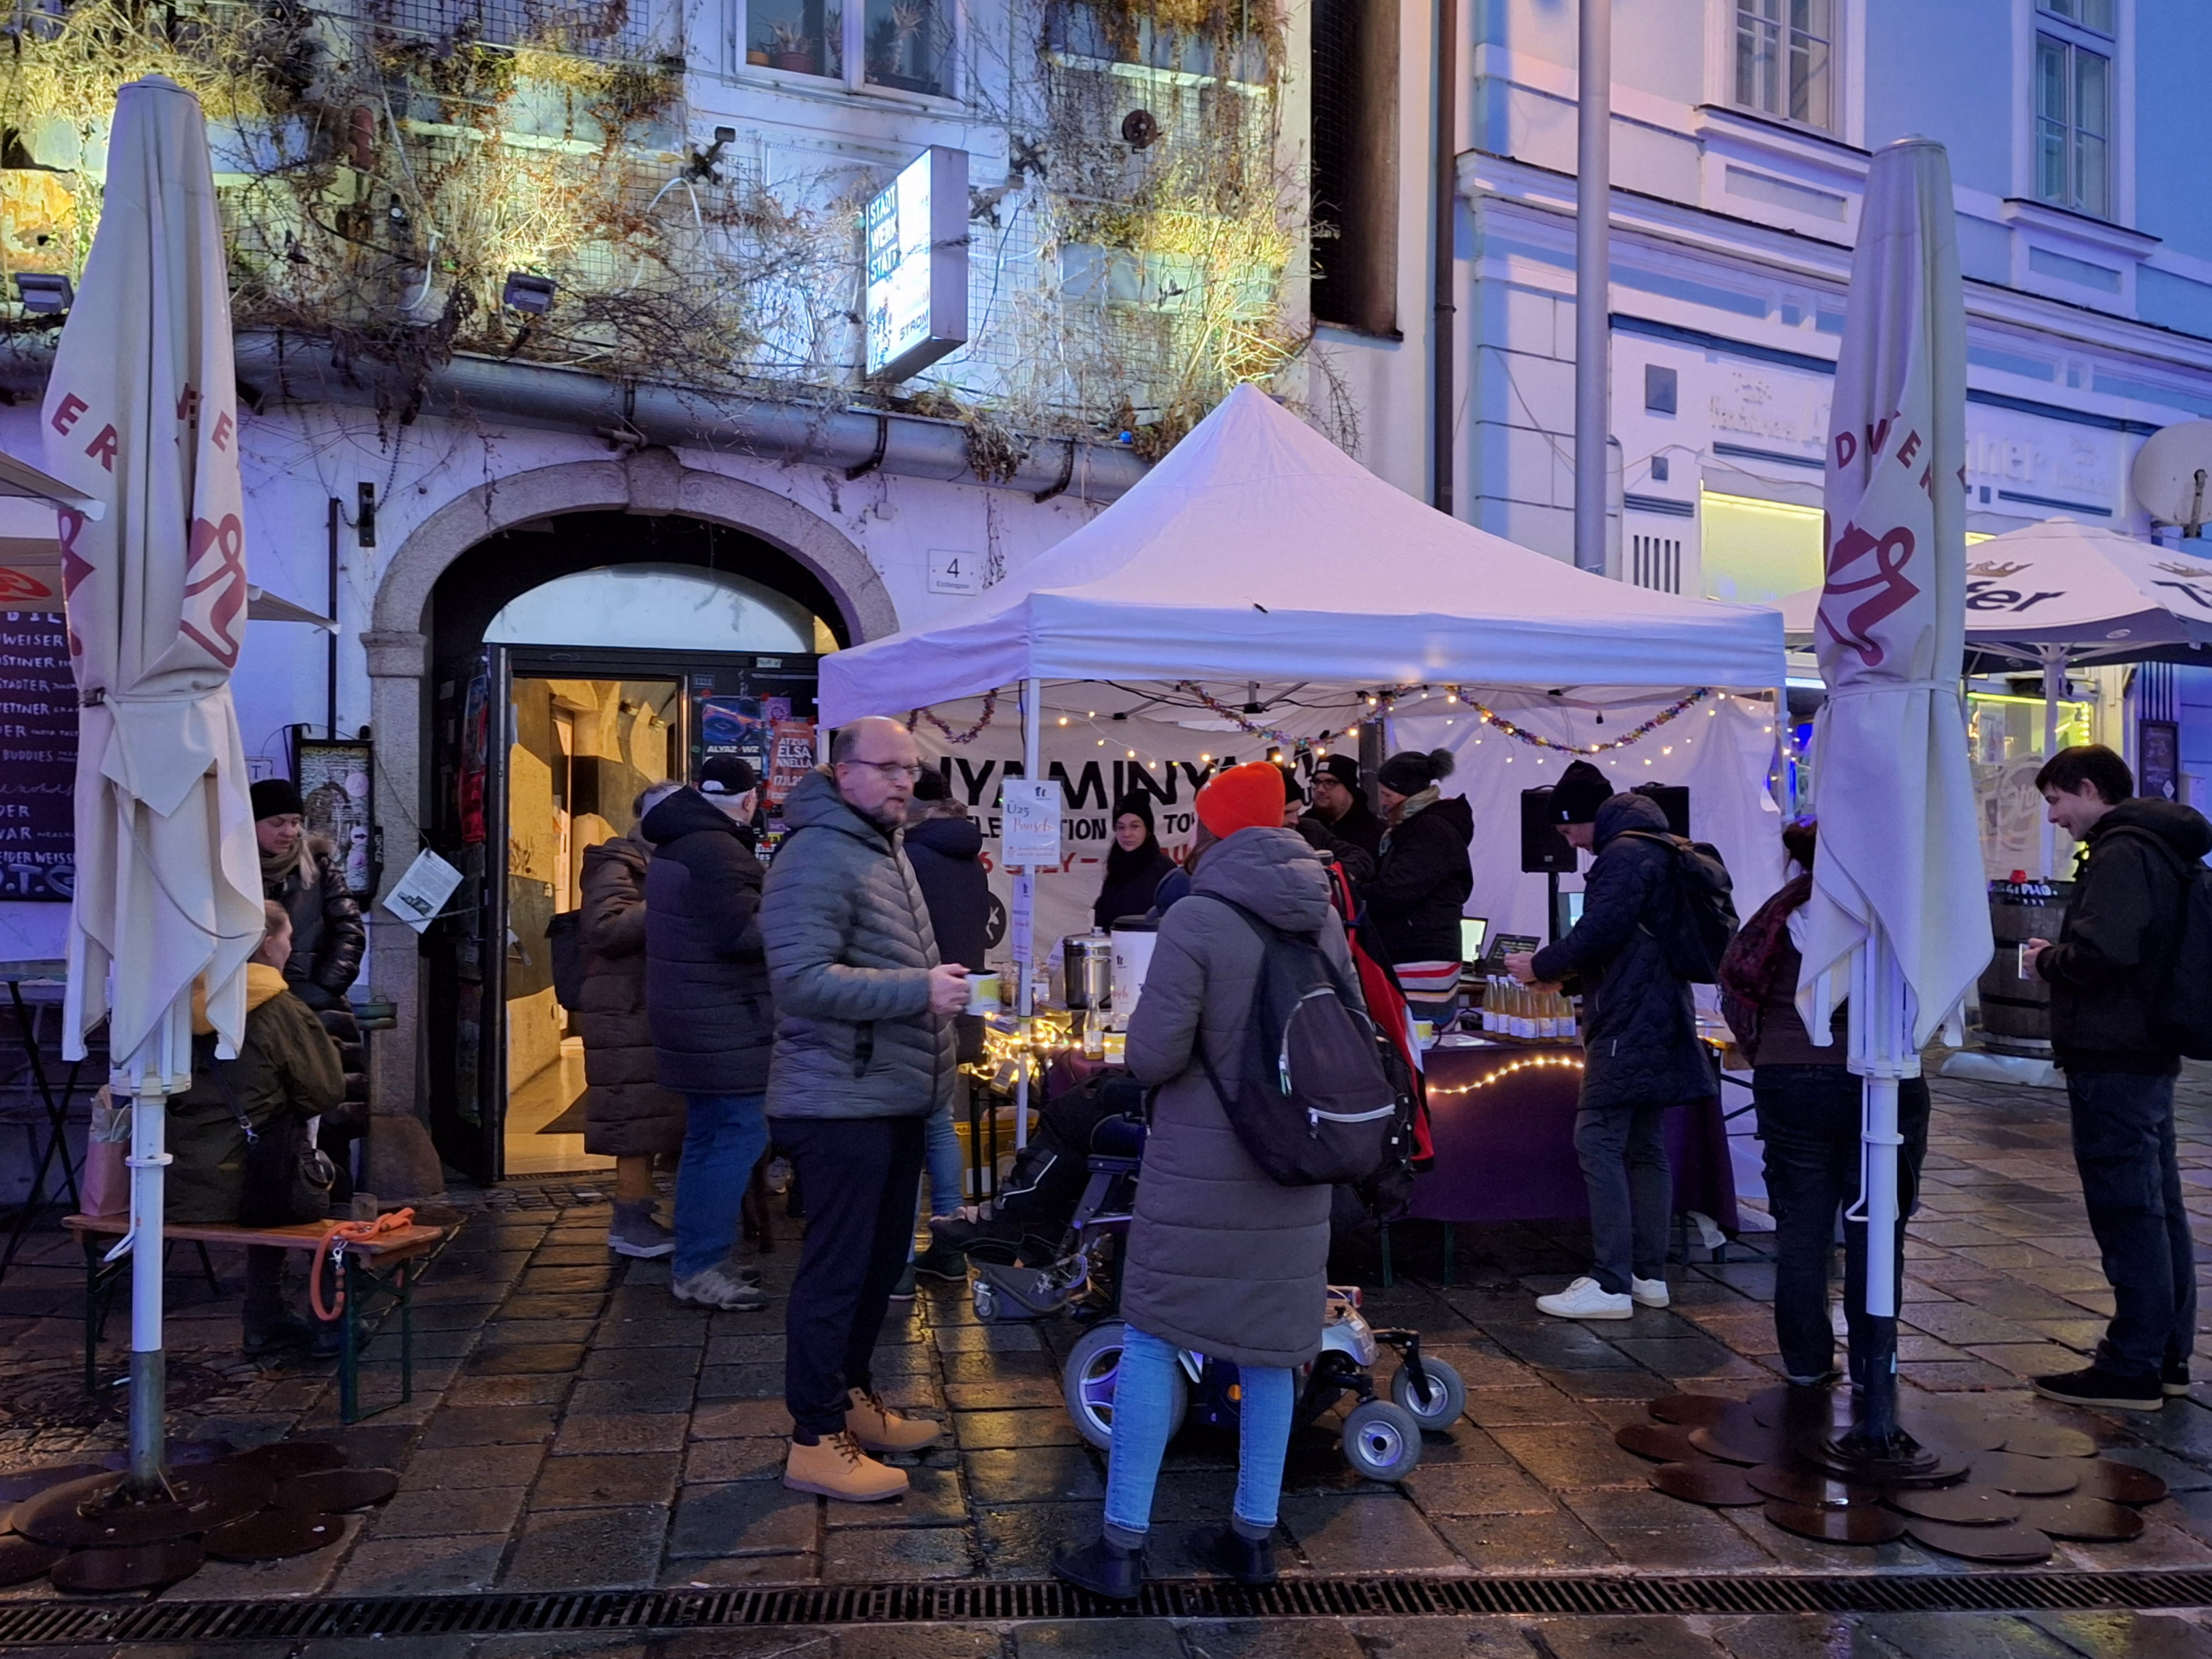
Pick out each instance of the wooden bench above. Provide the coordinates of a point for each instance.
(366, 1268)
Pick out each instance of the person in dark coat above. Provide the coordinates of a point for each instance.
(287, 1066)
(1339, 802)
(944, 844)
(303, 873)
(1423, 880)
(1220, 1258)
(2114, 947)
(1641, 1052)
(627, 1115)
(1136, 866)
(1809, 1110)
(707, 1001)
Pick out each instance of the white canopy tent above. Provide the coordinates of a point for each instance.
(1260, 581)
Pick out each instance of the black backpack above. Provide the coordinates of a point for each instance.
(1696, 914)
(2179, 1009)
(1315, 1107)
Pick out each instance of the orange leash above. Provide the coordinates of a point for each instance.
(335, 1241)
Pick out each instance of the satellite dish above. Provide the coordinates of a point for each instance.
(2172, 475)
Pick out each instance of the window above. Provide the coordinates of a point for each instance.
(1781, 58)
(2073, 105)
(1660, 390)
(1355, 180)
(904, 44)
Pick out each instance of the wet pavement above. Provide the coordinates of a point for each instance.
(573, 1428)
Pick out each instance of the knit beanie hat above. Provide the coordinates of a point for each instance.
(1408, 772)
(1344, 769)
(1247, 797)
(1581, 790)
(1135, 805)
(274, 797)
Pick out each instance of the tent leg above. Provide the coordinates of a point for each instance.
(1024, 923)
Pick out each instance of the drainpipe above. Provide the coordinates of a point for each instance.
(1442, 381)
(1593, 276)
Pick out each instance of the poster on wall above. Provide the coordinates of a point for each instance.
(793, 759)
(333, 780)
(744, 726)
(38, 757)
(2158, 759)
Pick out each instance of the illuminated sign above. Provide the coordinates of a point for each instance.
(917, 251)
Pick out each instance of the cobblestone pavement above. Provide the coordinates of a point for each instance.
(573, 1427)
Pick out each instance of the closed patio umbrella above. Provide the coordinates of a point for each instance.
(141, 415)
(1897, 919)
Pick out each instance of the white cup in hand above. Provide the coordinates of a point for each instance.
(948, 989)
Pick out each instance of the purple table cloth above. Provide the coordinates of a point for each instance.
(1504, 1124)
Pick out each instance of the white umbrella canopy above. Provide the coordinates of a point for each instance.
(1897, 919)
(141, 415)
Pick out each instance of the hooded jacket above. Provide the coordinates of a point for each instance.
(626, 1111)
(1422, 881)
(706, 978)
(1639, 1016)
(287, 1063)
(327, 935)
(849, 952)
(1221, 1259)
(947, 855)
(2120, 928)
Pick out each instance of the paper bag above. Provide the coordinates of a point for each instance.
(105, 1188)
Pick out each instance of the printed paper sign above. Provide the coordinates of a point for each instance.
(420, 894)
(1032, 822)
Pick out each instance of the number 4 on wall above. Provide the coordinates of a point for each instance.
(952, 571)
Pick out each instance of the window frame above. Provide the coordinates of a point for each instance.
(2029, 21)
(853, 78)
(2073, 41)
(1840, 40)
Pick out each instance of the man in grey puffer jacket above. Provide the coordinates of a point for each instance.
(864, 1054)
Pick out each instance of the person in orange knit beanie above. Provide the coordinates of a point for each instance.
(1247, 797)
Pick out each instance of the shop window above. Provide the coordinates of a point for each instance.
(2073, 105)
(1783, 64)
(1354, 149)
(1756, 552)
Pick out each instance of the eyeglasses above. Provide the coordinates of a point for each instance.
(890, 771)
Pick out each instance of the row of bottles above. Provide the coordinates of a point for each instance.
(1532, 1013)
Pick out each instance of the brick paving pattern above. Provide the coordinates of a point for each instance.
(574, 1428)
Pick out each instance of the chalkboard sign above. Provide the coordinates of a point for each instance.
(38, 757)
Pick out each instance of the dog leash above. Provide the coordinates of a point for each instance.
(340, 1235)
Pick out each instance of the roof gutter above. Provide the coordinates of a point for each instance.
(284, 369)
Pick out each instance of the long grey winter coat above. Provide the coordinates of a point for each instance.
(1221, 1259)
(849, 952)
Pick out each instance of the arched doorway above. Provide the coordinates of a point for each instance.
(561, 638)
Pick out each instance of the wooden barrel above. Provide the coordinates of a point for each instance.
(2015, 1009)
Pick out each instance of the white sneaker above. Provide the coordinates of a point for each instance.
(1649, 1293)
(1586, 1299)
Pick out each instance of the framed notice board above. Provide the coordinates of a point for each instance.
(38, 757)
(335, 784)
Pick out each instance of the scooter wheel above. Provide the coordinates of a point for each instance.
(1382, 1442)
(1439, 1407)
(1088, 1379)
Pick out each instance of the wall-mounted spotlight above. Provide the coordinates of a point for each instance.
(44, 291)
(527, 293)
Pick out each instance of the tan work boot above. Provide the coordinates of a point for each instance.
(835, 1467)
(883, 1430)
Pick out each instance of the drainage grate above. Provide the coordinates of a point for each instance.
(51, 1622)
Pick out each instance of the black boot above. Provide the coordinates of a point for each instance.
(1228, 1554)
(1102, 1568)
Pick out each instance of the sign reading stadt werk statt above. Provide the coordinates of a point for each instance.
(917, 276)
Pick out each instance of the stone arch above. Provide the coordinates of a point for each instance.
(652, 483)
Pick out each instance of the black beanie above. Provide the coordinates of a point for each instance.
(1344, 769)
(1408, 772)
(274, 797)
(1135, 805)
(1577, 795)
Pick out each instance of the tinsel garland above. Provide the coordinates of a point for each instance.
(1492, 718)
(1235, 717)
(990, 708)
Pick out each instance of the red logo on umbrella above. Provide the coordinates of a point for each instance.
(227, 582)
(1893, 590)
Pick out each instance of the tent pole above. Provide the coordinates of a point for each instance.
(2054, 688)
(1025, 910)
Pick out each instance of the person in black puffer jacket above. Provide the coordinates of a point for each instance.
(707, 996)
(302, 873)
(1641, 1052)
(946, 846)
(1422, 881)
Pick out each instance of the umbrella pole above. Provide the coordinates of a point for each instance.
(1024, 917)
(165, 1055)
(2054, 688)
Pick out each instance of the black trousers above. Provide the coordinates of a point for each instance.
(861, 1175)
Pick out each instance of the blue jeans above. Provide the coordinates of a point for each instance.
(1623, 1153)
(1810, 1118)
(724, 1136)
(2132, 1187)
(941, 1152)
(1143, 1391)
